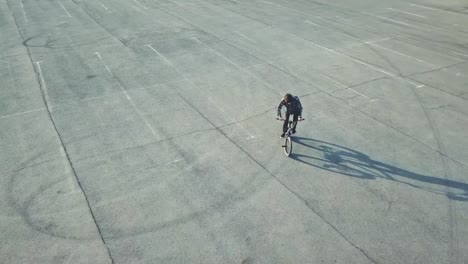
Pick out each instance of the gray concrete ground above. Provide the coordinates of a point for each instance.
(144, 131)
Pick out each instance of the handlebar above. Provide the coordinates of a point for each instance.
(282, 119)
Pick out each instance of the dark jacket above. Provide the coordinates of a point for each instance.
(292, 107)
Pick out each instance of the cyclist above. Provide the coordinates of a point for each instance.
(293, 107)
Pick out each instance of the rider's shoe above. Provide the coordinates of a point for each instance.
(294, 131)
(282, 135)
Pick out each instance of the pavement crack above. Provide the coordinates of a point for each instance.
(366, 82)
(434, 70)
(335, 229)
(421, 42)
(29, 166)
(437, 107)
(460, 96)
(246, 119)
(144, 145)
(67, 156)
(97, 22)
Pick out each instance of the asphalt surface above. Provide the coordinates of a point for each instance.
(144, 131)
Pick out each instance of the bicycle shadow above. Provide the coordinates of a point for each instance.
(349, 162)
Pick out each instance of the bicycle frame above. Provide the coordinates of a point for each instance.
(287, 140)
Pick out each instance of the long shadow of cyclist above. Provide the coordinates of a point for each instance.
(346, 161)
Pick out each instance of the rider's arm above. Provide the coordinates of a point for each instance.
(281, 104)
(299, 105)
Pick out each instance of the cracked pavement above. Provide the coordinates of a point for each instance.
(144, 131)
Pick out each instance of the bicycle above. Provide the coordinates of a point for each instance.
(287, 137)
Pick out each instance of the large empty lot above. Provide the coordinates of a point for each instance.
(144, 131)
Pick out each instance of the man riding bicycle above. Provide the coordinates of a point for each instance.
(293, 107)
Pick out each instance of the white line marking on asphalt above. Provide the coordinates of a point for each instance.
(404, 55)
(217, 53)
(323, 47)
(425, 7)
(246, 131)
(363, 95)
(245, 37)
(174, 161)
(459, 53)
(107, 9)
(348, 20)
(396, 52)
(220, 108)
(66, 11)
(375, 41)
(395, 21)
(362, 42)
(408, 13)
(139, 112)
(159, 54)
(75, 191)
(44, 86)
(144, 7)
(333, 80)
(105, 65)
(344, 86)
(356, 60)
(23, 113)
(375, 68)
(409, 42)
(308, 22)
(270, 3)
(138, 9)
(24, 12)
(128, 97)
(362, 28)
(420, 86)
(176, 2)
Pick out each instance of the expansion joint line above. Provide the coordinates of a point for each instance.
(71, 163)
(46, 103)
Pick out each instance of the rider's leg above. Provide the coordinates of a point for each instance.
(295, 118)
(286, 122)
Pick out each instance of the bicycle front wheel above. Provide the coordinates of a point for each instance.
(287, 146)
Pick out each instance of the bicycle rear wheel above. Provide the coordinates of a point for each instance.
(287, 146)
